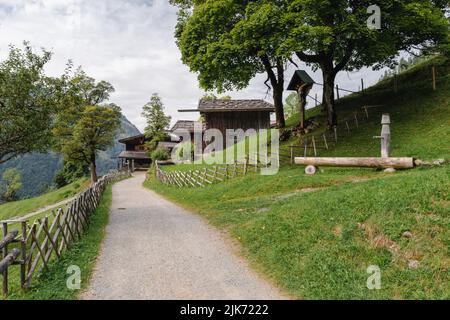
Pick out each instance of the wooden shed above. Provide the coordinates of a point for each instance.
(234, 114)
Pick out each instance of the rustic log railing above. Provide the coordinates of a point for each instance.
(48, 237)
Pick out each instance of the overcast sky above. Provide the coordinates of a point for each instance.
(128, 43)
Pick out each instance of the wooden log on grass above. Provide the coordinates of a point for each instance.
(397, 163)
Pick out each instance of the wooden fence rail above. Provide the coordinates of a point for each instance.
(313, 144)
(209, 175)
(47, 238)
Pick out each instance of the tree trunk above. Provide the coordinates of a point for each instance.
(277, 82)
(328, 92)
(279, 108)
(93, 166)
(302, 101)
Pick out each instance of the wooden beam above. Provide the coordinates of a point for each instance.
(397, 163)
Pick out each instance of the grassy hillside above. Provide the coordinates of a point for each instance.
(23, 207)
(315, 236)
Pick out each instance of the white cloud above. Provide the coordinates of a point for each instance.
(128, 43)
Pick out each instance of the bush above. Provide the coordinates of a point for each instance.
(70, 173)
(160, 154)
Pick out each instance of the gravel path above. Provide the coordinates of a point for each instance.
(157, 250)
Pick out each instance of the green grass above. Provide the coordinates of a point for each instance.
(51, 284)
(315, 236)
(23, 207)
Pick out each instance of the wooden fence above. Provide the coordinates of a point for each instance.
(312, 145)
(36, 244)
(209, 175)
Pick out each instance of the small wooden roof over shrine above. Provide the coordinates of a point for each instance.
(300, 78)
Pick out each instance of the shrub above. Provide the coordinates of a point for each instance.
(160, 154)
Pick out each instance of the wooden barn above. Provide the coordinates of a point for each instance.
(234, 114)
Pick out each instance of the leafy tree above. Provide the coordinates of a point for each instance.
(157, 122)
(83, 126)
(334, 36)
(94, 131)
(70, 172)
(27, 103)
(11, 184)
(228, 42)
(291, 104)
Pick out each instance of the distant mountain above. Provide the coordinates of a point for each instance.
(38, 170)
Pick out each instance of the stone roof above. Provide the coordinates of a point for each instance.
(234, 105)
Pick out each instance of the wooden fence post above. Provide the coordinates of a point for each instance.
(325, 141)
(337, 91)
(366, 110)
(335, 134)
(5, 253)
(362, 84)
(23, 248)
(395, 83)
(314, 146)
(433, 73)
(306, 147)
(292, 155)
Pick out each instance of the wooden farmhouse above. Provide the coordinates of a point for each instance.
(135, 154)
(234, 114)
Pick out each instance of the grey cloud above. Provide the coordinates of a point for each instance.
(128, 43)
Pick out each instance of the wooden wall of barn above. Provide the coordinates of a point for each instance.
(237, 120)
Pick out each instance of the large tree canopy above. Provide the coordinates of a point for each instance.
(334, 36)
(27, 103)
(228, 42)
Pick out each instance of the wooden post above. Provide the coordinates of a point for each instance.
(362, 85)
(366, 110)
(292, 154)
(245, 165)
(335, 134)
(316, 99)
(306, 147)
(385, 135)
(395, 83)
(356, 119)
(23, 248)
(433, 73)
(337, 91)
(348, 127)
(325, 141)
(5, 254)
(314, 146)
